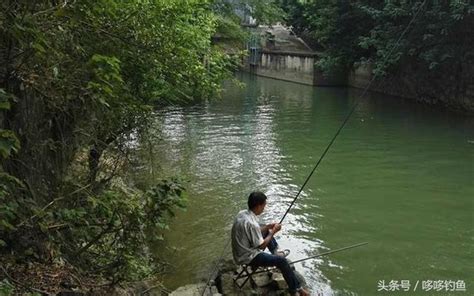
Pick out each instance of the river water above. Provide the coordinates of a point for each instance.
(399, 176)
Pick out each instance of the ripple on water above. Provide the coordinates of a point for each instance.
(397, 176)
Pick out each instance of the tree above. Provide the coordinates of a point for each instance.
(350, 32)
(82, 79)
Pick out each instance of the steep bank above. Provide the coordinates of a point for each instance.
(277, 53)
(454, 90)
(423, 49)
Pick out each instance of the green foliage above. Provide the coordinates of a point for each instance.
(8, 143)
(231, 14)
(107, 82)
(263, 11)
(8, 207)
(335, 25)
(5, 99)
(8, 211)
(351, 32)
(113, 228)
(106, 233)
(6, 288)
(428, 40)
(295, 17)
(78, 81)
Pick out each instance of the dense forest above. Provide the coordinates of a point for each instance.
(79, 81)
(357, 31)
(424, 47)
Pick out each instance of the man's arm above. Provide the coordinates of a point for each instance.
(271, 232)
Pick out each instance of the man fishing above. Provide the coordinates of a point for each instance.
(249, 239)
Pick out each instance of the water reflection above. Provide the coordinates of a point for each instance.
(392, 160)
(231, 155)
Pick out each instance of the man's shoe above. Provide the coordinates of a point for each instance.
(284, 253)
(300, 292)
(303, 292)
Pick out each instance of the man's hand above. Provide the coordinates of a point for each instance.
(276, 227)
(272, 229)
(267, 227)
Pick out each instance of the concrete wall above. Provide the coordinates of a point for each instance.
(296, 67)
(286, 66)
(451, 86)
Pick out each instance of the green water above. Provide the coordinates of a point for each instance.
(399, 176)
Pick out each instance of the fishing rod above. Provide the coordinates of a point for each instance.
(354, 107)
(320, 159)
(330, 252)
(307, 258)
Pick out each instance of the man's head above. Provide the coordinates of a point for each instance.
(256, 202)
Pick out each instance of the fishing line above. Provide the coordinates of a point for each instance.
(353, 108)
(315, 256)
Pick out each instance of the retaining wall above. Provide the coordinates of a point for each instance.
(451, 86)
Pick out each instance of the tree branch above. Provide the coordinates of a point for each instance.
(97, 237)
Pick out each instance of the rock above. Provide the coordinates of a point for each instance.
(261, 279)
(194, 290)
(227, 284)
(117, 291)
(276, 293)
(214, 290)
(239, 269)
(240, 282)
(229, 288)
(71, 293)
(145, 288)
(227, 265)
(279, 280)
(270, 283)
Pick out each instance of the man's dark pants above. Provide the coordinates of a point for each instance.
(266, 260)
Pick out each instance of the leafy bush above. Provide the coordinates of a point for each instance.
(350, 32)
(6, 288)
(78, 79)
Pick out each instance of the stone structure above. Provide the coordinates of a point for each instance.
(270, 283)
(275, 52)
(280, 54)
(291, 66)
(453, 89)
(196, 290)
